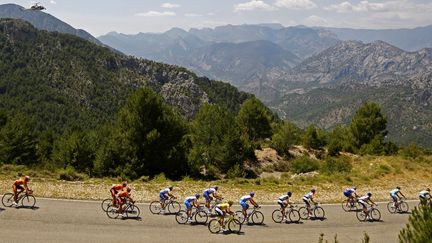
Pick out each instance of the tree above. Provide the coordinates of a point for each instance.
(286, 135)
(314, 138)
(146, 139)
(254, 120)
(339, 139)
(216, 143)
(419, 227)
(368, 124)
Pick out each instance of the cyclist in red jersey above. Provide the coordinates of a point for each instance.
(115, 189)
(20, 185)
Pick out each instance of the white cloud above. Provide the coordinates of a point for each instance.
(363, 6)
(253, 5)
(315, 20)
(193, 15)
(170, 5)
(53, 2)
(296, 4)
(155, 14)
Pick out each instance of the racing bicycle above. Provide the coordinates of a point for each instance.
(374, 214)
(198, 214)
(234, 226)
(255, 216)
(398, 207)
(317, 212)
(130, 210)
(27, 200)
(171, 205)
(290, 213)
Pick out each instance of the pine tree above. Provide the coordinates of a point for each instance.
(419, 227)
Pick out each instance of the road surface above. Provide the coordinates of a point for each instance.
(83, 221)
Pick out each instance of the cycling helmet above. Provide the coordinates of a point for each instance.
(398, 187)
(252, 193)
(289, 194)
(230, 202)
(216, 188)
(124, 183)
(27, 178)
(197, 195)
(170, 187)
(128, 189)
(313, 190)
(369, 194)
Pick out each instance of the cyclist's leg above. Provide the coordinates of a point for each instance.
(14, 189)
(113, 195)
(188, 209)
(221, 215)
(307, 204)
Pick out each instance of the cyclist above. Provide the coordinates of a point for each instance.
(190, 202)
(164, 195)
(222, 209)
(121, 199)
(245, 206)
(117, 188)
(394, 195)
(208, 193)
(364, 201)
(350, 193)
(20, 185)
(309, 197)
(283, 201)
(424, 196)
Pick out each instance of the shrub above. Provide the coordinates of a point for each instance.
(304, 165)
(282, 166)
(236, 171)
(334, 165)
(419, 227)
(69, 174)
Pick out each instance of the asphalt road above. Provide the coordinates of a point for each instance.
(81, 221)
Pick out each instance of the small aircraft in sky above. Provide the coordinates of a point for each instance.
(37, 7)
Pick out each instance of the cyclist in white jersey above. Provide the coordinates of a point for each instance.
(245, 206)
(164, 195)
(424, 196)
(364, 201)
(208, 193)
(309, 197)
(394, 194)
(283, 201)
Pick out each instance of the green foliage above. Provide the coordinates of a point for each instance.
(147, 139)
(314, 138)
(334, 165)
(236, 171)
(69, 174)
(18, 141)
(339, 139)
(369, 128)
(216, 142)
(304, 164)
(286, 134)
(419, 227)
(412, 151)
(254, 120)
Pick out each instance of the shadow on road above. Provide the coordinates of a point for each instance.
(28, 207)
(233, 233)
(132, 218)
(318, 218)
(2, 209)
(300, 222)
(255, 225)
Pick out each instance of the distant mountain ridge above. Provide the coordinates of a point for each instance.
(43, 21)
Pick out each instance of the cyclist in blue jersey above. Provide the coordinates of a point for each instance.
(394, 194)
(309, 197)
(190, 202)
(284, 201)
(350, 193)
(245, 206)
(208, 193)
(164, 195)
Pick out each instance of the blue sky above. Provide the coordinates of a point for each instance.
(132, 16)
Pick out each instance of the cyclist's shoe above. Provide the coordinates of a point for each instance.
(14, 204)
(190, 220)
(310, 215)
(224, 229)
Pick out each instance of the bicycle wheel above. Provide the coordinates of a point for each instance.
(239, 216)
(181, 217)
(257, 217)
(201, 217)
(214, 226)
(391, 207)
(346, 206)
(112, 212)
(277, 216)
(234, 226)
(155, 207)
(403, 207)
(105, 204)
(361, 216)
(375, 214)
(8, 199)
(174, 207)
(319, 212)
(304, 214)
(294, 216)
(132, 211)
(28, 201)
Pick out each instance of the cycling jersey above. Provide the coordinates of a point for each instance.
(165, 191)
(308, 196)
(209, 191)
(245, 198)
(349, 191)
(423, 194)
(117, 187)
(20, 182)
(364, 198)
(162, 194)
(190, 199)
(394, 192)
(283, 198)
(189, 202)
(223, 206)
(123, 194)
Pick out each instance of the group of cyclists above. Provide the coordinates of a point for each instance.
(122, 192)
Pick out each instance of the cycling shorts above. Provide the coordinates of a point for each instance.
(306, 201)
(219, 211)
(244, 205)
(188, 205)
(394, 197)
(363, 203)
(281, 203)
(163, 196)
(207, 197)
(347, 194)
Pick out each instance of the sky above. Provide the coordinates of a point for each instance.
(133, 16)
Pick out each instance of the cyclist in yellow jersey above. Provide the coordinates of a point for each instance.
(222, 209)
